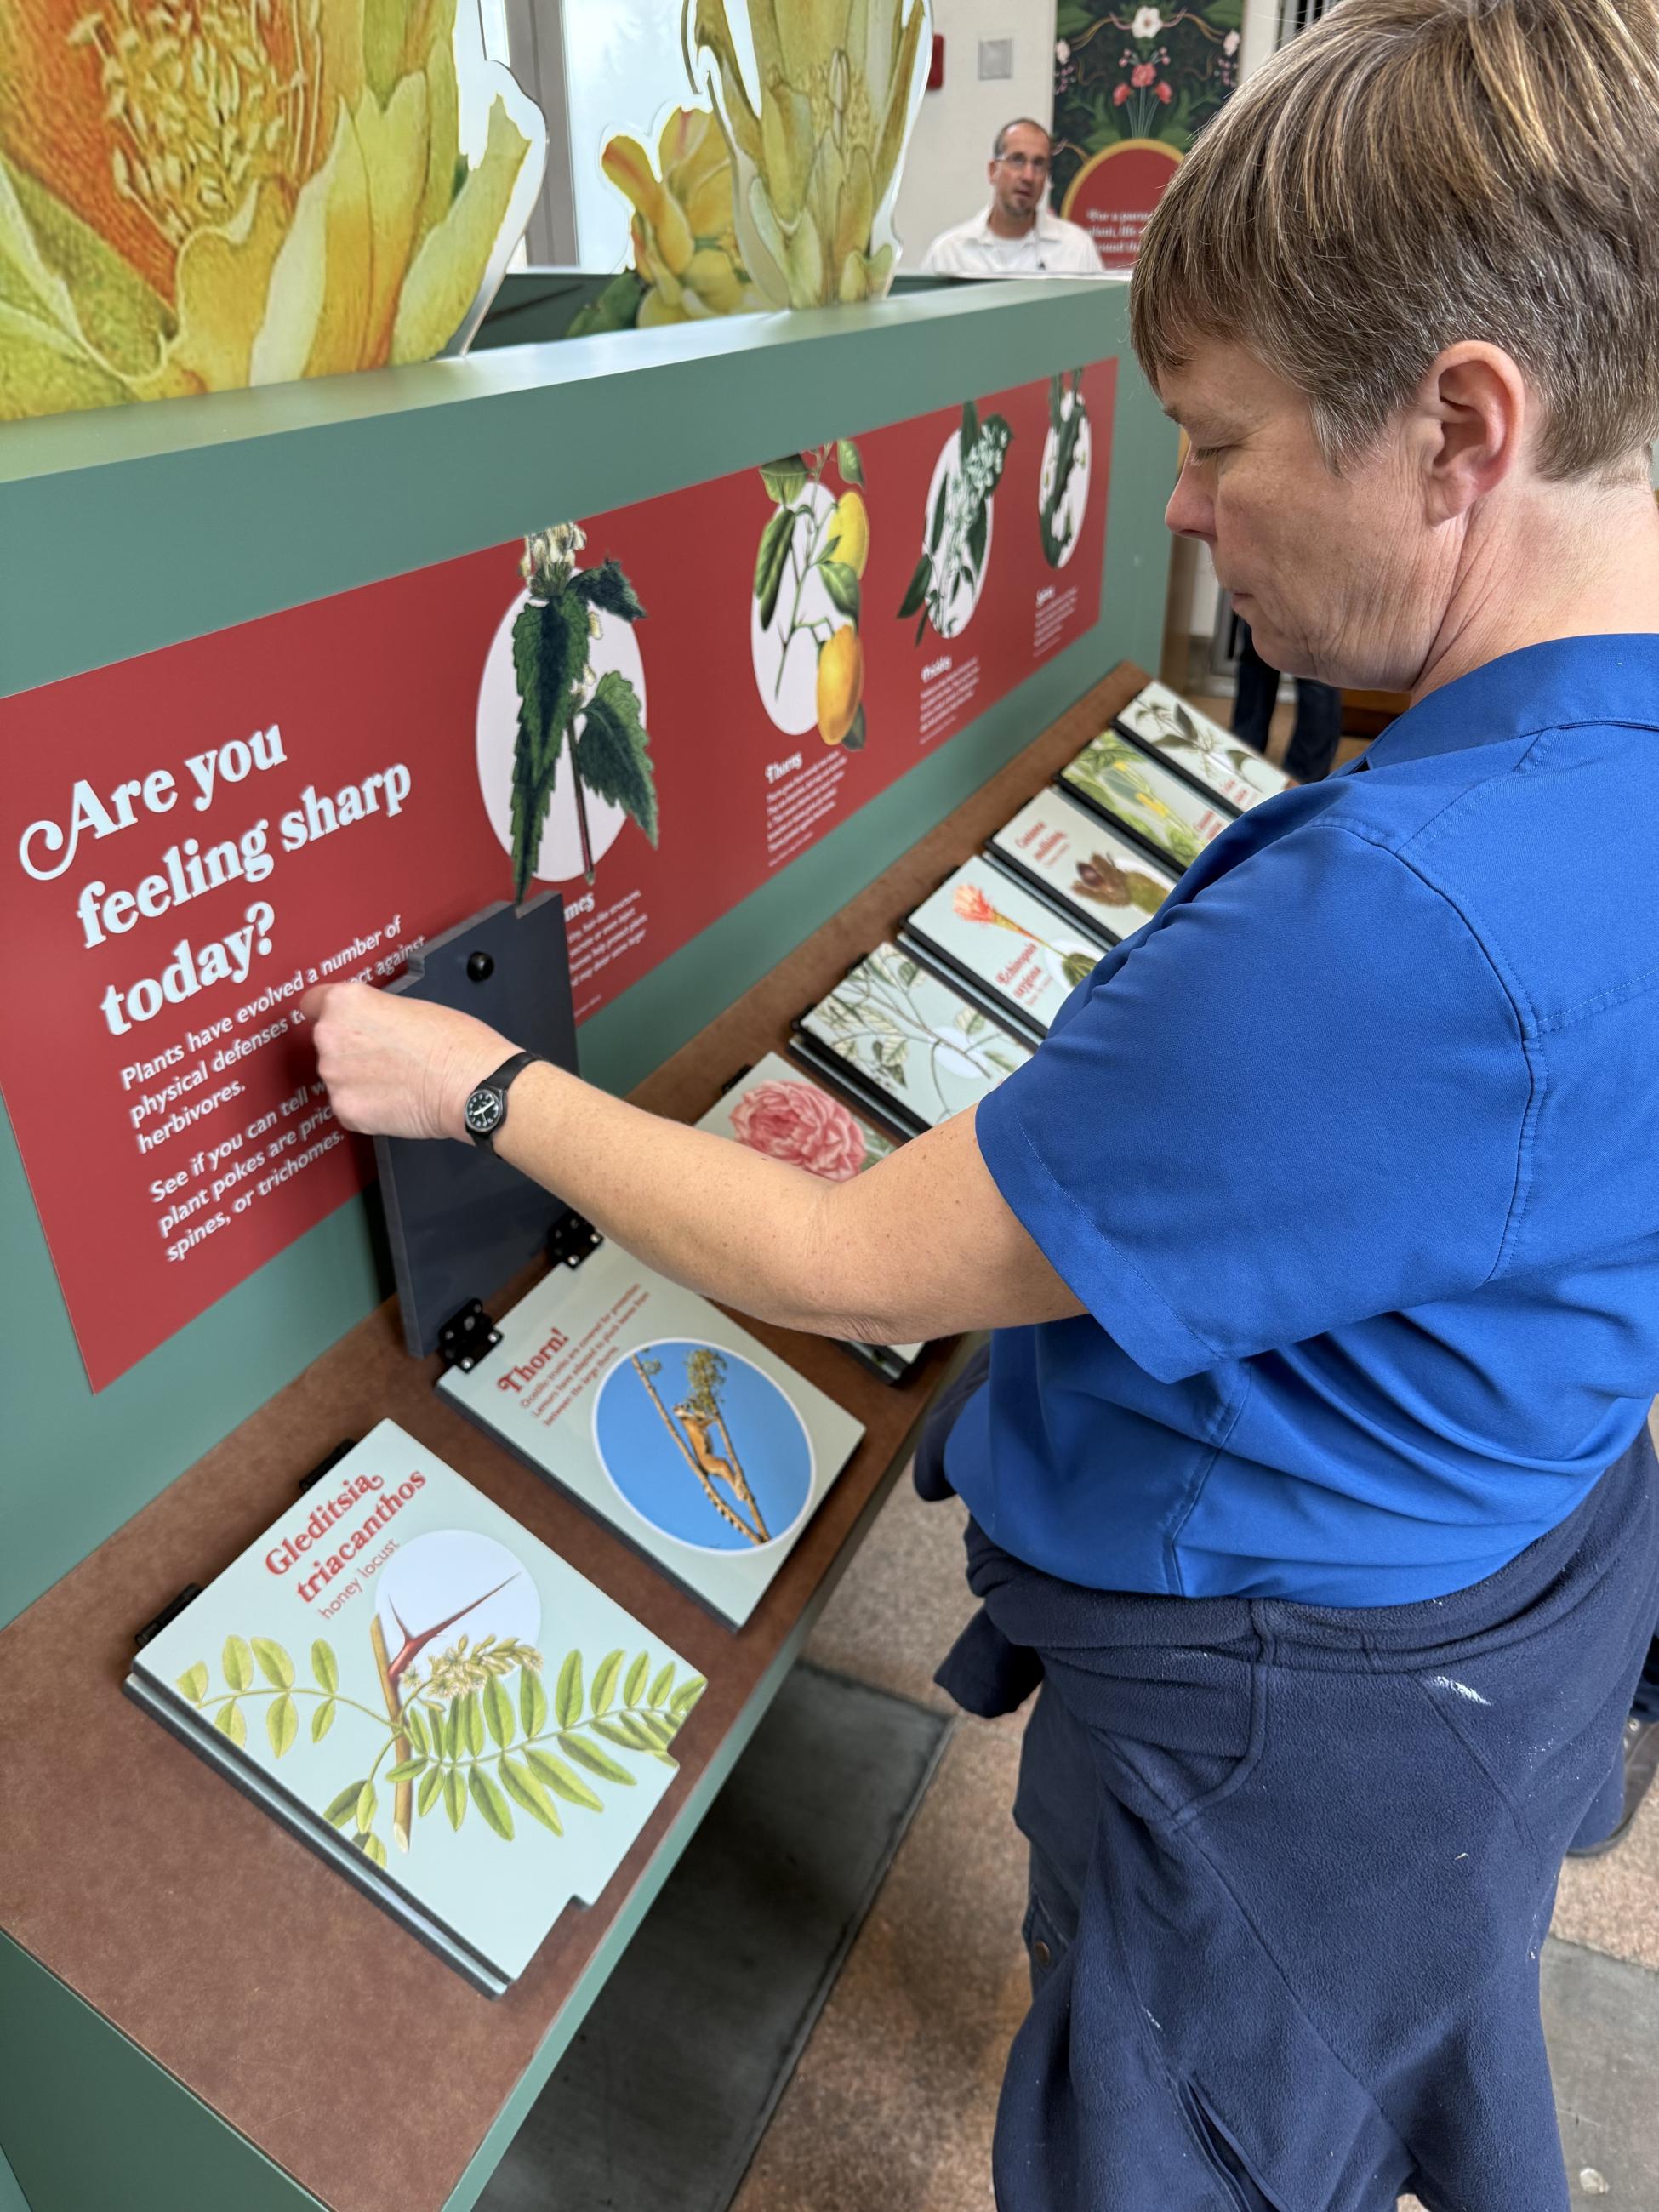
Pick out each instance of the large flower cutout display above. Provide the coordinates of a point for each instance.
(200, 194)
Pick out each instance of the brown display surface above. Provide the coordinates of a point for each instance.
(295, 2008)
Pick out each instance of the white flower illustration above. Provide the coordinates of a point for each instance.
(1147, 23)
(1062, 51)
(1230, 44)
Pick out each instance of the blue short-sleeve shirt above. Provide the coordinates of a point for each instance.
(1353, 1155)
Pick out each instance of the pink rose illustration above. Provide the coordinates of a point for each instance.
(1120, 93)
(1164, 94)
(1142, 75)
(802, 1125)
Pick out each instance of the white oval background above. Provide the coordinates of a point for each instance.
(1072, 507)
(439, 1573)
(560, 857)
(959, 609)
(794, 707)
(683, 1543)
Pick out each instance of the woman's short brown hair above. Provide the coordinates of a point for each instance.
(1409, 174)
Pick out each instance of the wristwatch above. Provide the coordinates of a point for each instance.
(486, 1109)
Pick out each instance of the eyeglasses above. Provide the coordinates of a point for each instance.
(1038, 163)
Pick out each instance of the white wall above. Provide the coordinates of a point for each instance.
(945, 180)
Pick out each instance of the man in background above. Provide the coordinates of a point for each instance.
(1018, 235)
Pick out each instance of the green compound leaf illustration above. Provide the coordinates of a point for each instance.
(561, 1781)
(194, 1682)
(687, 1695)
(368, 1804)
(608, 588)
(915, 594)
(454, 1795)
(847, 461)
(324, 1667)
(771, 560)
(431, 1789)
(415, 1729)
(228, 1721)
(237, 1661)
(533, 1702)
(841, 583)
(373, 1848)
(498, 1712)
(345, 1805)
(551, 639)
(657, 1696)
(490, 1803)
(472, 1722)
(613, 755)
(634, 1688)
(568, 1693)
(406, 1769)
(596, 1761)
(282, 1724)
(522, 1787)
(274, 1663)
(785, 480)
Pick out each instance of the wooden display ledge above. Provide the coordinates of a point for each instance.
(299, 2012)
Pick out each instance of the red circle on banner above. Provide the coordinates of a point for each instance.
(1113, 193)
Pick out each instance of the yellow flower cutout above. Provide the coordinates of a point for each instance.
(816, 148)
(685, 246)
(200, 194)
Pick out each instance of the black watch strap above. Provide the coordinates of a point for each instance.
(485, 1110)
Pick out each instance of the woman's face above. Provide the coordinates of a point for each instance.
(1343, 577)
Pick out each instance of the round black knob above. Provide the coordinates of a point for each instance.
(479, 967)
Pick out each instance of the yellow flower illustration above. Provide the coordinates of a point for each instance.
(199, 194)
(685, 246)
(816, 156)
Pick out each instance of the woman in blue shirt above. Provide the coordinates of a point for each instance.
(1313, 1487)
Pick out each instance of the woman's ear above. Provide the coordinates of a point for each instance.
(1472, 411)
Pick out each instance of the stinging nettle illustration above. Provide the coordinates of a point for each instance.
(476, 1727)
(562, 705)
(808, 568)
(946, 584)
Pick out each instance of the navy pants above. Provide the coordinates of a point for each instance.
(1293, 1867)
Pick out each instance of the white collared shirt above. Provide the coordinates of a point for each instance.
(1050, 248)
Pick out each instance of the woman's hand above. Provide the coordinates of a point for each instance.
(397, 1067)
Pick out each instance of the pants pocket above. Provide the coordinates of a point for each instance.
(1239, 2191)
(1049, 1924)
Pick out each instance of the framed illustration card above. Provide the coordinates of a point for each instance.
(894, 1032)
(1081, 867)
(1160, 810)
(1209, 756)
(444, 1708)
(1006, 949)
(774, 1111)
(671, 1424)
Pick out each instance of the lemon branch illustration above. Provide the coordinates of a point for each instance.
(470, 1743)
(1066, 421)
(800, 542)
(560, 703)
(692, 1424)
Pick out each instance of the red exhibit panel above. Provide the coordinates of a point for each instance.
(655, 710)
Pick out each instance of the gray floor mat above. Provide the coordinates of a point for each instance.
(661, 2100)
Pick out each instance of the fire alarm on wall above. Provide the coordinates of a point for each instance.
(936, 63)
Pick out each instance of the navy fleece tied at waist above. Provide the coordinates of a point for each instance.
(1314, 1853)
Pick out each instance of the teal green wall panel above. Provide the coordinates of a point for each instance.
(12, 2198)
(91, 2124)
(223, 509)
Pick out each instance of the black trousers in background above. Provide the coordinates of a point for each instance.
(1318, 725)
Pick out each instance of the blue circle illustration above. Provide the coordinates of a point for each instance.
(703, 1445)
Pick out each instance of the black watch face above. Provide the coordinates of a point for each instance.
(483, 1112)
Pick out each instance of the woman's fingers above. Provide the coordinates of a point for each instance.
(395, 1067)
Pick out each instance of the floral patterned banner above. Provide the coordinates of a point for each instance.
(1132, 86)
